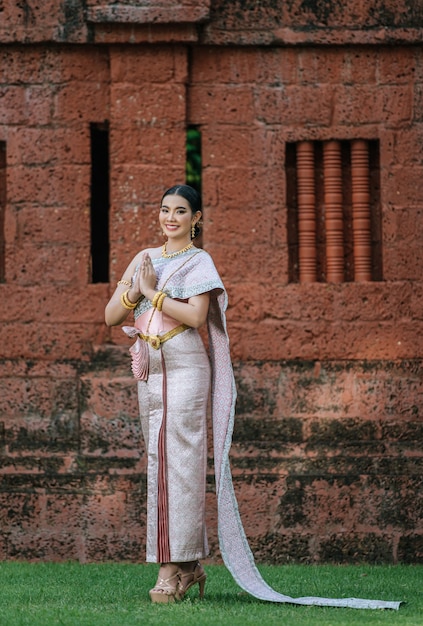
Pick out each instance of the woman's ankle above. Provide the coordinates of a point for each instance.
(188, 567)
(167, 570)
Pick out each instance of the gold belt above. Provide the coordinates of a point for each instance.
(156, 341)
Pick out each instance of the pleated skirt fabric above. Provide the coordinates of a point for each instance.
(173, 408)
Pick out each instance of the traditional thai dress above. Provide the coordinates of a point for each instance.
(176, 377)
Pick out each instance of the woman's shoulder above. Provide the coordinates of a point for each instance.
(205, 264)
(205, 257)
(154, 253)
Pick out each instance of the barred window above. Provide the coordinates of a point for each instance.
(334, 220)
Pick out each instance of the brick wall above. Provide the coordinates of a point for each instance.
(327, 446)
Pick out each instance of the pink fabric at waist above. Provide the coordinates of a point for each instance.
(160, 323)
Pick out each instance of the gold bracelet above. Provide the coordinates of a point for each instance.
(128, 301)
(125, 306)
(160, 301)
(123, 282)
(125, 301)
(155, 299)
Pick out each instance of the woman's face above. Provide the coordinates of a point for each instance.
(176, 217)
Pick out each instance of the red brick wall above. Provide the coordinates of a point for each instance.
(327, 446)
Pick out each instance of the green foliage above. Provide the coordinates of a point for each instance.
(114, 594)
(193, 159)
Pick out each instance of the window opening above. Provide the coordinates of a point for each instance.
(334, 221)
(193, 167)
(100, 202)
(193, 158)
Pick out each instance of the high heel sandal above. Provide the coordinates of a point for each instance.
(164, 592)
(198, 575)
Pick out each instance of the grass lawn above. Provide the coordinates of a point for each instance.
(116, 594)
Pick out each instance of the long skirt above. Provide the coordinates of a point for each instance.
(173, 407)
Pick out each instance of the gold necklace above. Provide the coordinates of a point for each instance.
(170, 256)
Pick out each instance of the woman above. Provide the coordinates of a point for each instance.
(173, 290)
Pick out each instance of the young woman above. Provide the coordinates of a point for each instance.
(173, 290)
(170, 289)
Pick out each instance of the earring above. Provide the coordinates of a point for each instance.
(193, 230)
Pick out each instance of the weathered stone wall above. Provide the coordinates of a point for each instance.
(328, 439)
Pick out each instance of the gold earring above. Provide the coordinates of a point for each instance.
(193, 230)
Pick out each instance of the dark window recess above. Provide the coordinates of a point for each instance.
(2, 210)
(193, 167)
(100, 202)
(334, 214)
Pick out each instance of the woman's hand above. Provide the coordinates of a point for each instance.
(145, 280)
(147, 276)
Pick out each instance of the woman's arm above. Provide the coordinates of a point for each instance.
(193, 313)
(115, 313)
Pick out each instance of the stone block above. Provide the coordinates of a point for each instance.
(357, 104)
(360, 66)
(283, 548)
(163, 11)
(81, 102)
(145, 146)
(158, 107)
(320, 67)
(29, 263)
(13, 106)
(39, 104)
(70, 65)
(395, 67)
(51, 341)
(151, 64)
(243, 146)
(406, 147)
(296, 105)
(143, 34)
(403, 262)
(48, 146)
(230, 104)
(41, 225)
(58, 433)
(43, 21)
(410, 549)
(368, 548)
(34, 184)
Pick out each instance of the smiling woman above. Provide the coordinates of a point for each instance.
(178, 221)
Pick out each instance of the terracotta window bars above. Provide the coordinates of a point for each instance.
(333, 211)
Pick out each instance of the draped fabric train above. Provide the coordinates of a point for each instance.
(236, 552)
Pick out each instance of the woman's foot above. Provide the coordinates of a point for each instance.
(167, 587)
(190, 574)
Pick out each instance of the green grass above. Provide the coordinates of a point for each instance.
(114, 594)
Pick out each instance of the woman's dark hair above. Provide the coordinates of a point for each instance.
(191, 195)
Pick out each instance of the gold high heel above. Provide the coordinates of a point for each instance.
(164, 592)
(198, 575)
